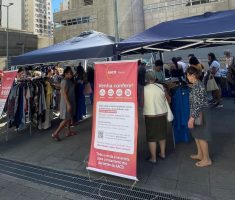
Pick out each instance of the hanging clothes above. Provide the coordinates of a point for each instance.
(80, 100)
(48, 113)
(181, 112)
(27, 102)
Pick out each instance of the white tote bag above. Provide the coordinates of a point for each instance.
(211, 84)
(170, 116)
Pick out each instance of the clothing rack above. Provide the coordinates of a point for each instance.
(29, 116)
(29, 122)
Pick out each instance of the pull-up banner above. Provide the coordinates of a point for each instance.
(115, 120)
(7, 79)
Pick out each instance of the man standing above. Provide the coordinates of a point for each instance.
(141, 83)
(182, 64)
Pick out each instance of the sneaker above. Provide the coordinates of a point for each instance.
(213, 104)
(219, 105)
(212, 101)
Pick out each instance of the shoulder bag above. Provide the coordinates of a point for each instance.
(170, 116)
(211, 84)
(199, 120)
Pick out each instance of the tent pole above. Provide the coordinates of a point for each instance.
(85, 65)
(161, 56)
(153, 57)
(116, 21)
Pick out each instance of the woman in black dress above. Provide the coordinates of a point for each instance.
(198, 121)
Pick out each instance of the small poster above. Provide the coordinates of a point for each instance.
(7, 79)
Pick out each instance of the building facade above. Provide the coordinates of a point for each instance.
(38, 17)
(157, 11)
(99, 15)
(0, 13)
(20, 42)
(64, 5)
(34, 16)
(134, 16)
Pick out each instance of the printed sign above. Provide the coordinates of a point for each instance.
(115, 125)
(7, 79)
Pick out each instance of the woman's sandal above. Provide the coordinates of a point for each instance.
(71, 133)
(56, 138)
(203, 164)
(195, 157)
(161, 157)
(149, 160)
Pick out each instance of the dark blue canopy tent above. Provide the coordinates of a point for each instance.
(87, 45)
(207, 30)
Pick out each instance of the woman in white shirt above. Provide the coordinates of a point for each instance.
(155, 111)
(214, 66)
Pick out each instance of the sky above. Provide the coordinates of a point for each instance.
(55, 5)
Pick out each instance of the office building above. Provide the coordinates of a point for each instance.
(134, 16)
(99, 15)
(64, 5)
(157, 11)
(34, 16)
(38, 17)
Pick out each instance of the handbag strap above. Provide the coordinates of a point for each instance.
(162, 91)
(159, 87)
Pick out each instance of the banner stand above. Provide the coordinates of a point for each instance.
(113, 173)
(115, 120)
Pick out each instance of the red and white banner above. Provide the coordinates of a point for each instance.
(115, 120)
(7, 79)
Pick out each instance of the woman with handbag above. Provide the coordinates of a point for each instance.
(198, 122)
(156, 114)
(214, 66)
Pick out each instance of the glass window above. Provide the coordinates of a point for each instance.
(85, 19)
(88, 2)
(79, 20)
(197, 2)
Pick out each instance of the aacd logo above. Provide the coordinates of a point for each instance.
(111, 72)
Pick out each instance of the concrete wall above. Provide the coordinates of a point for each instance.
(231, 4)
(155, 12)
(131, 17)
(0, 13)
(134, 15)
(44, 42)
(29, 16)
(19, 42)
(101, 13)
(64, 5)
(2, 62)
